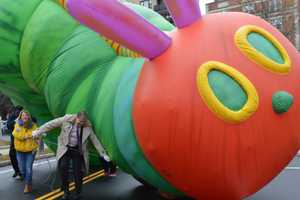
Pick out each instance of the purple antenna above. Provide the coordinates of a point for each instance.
(184, 12)
(117, 22)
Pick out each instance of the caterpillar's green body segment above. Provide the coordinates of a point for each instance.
(52, 65)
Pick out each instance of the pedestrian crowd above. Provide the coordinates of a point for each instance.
(72, 152)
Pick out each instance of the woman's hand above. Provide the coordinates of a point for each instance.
(106, 158)
(35, 134)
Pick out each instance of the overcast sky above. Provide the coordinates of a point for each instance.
(202, 5)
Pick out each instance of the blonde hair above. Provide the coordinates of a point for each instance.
(29, 123)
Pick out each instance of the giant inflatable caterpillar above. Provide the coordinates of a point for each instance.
(209, 110)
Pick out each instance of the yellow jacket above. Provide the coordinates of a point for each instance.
(23, 138)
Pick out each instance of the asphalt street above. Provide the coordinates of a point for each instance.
(124, 187)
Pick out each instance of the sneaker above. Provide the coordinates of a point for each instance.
(20, 177)
(15, 175)
(112, 174)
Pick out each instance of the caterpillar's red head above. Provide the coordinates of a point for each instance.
(206, 111)
(216, 107)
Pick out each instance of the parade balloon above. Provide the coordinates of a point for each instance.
(208, 109)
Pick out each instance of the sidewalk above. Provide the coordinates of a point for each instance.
(5, 138)
(4, 144)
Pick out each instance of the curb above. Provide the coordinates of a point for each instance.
(4, 147)
(6, 163)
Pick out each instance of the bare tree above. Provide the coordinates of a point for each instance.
(5, 105)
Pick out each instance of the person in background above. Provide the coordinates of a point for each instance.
(72, 142)
(26, 147)
(10, 124)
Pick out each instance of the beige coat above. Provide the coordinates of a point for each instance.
(65, 123)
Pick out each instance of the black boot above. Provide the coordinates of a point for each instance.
(66, 196)
(77, 196)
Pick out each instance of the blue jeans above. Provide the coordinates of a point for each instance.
(25, 161)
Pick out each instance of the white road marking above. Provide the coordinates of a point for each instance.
(34, 165)
(293, 168)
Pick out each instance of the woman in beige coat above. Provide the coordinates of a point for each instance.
(72, 145)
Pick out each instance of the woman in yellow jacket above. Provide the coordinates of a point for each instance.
(25, 146)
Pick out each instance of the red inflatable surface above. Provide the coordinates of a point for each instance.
(199, 153)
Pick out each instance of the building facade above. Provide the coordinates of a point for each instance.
(283, 14)
(156, 5)
(146, 3)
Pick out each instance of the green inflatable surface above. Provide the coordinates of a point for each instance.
(52, 65)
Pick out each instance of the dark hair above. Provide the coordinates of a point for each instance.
(82, 114)
(19, 108)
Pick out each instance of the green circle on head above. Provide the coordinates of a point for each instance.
(266, 47)
(282, 101)
(228, 91)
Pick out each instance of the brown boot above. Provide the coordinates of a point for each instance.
(27, 189)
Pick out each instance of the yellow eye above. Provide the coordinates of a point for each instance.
(227, 92)
(263, 48)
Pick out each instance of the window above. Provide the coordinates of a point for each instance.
(146, 3)
(277, 22)
(275, 5)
